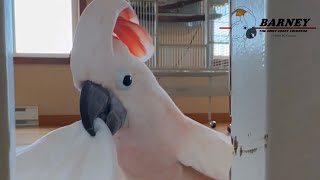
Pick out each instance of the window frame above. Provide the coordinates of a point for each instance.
(38, 58)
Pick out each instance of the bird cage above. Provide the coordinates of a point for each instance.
(186, 34)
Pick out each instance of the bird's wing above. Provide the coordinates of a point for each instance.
(70, 153)
(206, 150)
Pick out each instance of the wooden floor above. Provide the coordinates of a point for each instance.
(27, 135)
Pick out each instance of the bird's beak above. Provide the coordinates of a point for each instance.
(99, 102)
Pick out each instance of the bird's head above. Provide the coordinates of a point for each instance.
(107, 62)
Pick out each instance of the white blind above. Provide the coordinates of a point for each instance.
(43, 26)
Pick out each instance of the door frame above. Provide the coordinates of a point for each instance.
(7, 120)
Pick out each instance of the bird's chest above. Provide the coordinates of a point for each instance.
(144, 164)
(143, 160)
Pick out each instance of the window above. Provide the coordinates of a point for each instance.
(221, 36)
(44, 28)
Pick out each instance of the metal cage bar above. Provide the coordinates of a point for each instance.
(183, 41)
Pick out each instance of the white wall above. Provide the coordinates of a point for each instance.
(294, 100)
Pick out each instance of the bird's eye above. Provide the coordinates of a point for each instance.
(245, 27)
(127, 80)
(124, 79)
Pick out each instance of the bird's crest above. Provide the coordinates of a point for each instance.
(134, 36)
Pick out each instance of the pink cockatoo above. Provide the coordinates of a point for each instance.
(154, 139)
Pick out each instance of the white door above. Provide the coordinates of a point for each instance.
(7, 125)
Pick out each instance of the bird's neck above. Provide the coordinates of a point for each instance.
(156, 115)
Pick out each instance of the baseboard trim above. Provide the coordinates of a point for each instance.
(64, 120)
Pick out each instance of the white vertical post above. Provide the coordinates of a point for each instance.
(249, 92)
(275, 95)
(207, 29)
(7, 125)
(209, 109)
(156, 35)
(75, 15)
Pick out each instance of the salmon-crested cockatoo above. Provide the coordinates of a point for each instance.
(154, 139)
